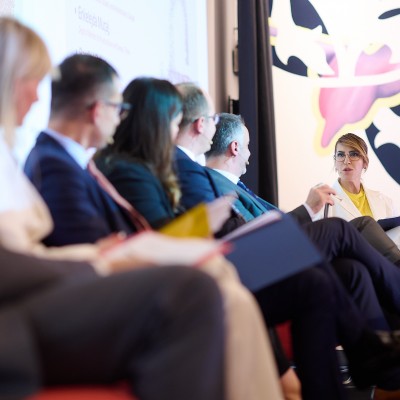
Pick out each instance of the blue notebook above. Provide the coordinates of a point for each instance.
(389, 223)
(270, 248)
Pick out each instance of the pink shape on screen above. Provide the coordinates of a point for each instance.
(349, 105)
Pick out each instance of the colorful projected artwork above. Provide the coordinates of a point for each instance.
(349, 53)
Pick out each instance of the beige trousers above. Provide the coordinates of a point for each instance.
(251, 372)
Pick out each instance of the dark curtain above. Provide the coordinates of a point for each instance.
(256, 96)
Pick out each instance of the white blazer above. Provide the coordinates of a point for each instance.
(381, 206)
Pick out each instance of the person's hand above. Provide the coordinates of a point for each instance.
(218, 211)
(110, 241)
(152, 249)
(320, 195)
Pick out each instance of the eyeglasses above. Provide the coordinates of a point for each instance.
(214, 117)
(340, 156)
(121, 107)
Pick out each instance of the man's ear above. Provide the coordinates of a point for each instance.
(198, 125)
(93, 111)
(234, 148)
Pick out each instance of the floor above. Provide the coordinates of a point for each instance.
(355, 394)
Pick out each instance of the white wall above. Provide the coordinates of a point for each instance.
(222, 39)
(160, 38)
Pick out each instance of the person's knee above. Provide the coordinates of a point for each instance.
(192, 285)
(315, 286)
(340, 223)
(361, 223)
(350, 269)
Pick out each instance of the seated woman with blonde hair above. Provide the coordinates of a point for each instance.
(353, 198)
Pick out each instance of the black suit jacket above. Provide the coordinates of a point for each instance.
(138, 185)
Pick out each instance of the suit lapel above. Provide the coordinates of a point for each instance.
(345, 204)
(246, 204)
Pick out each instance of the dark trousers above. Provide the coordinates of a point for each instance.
(377, 237)
(357, 281)
(309, 300)
(337, 238)
(161, 329)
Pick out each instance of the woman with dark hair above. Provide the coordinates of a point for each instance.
(139, 161)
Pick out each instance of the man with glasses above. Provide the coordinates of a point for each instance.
(197, 127)
(86, 107)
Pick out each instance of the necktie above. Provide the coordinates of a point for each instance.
(264, 203)
(138, 220)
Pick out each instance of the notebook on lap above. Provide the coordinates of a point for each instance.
(270, 248)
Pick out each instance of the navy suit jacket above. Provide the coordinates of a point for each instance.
(138, 185)
(202, 184)
(196, 184)
(82, 211)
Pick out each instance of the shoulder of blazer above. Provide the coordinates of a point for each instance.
(220, 181)
(179, 154)
(121, 165)
(382, 206)
(375, 194)
(47, 146)
(46, 153)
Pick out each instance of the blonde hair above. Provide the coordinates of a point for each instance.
(23, 55)
(356, 143)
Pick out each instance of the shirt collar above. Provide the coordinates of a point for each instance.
(200, 159)
(73, 148)
(189, 153)
(233, 178)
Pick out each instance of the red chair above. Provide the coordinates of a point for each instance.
(283, 331)
(117, 392)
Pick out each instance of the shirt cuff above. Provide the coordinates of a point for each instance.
(314, 216)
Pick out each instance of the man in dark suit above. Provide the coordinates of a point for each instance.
(58, 164)
(160, 329)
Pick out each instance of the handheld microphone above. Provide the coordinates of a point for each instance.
(326, 210)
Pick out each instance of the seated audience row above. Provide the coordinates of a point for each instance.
(60, 322)
(227, 349)
(55, 162)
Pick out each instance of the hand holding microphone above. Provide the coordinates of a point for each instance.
(320, 195)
